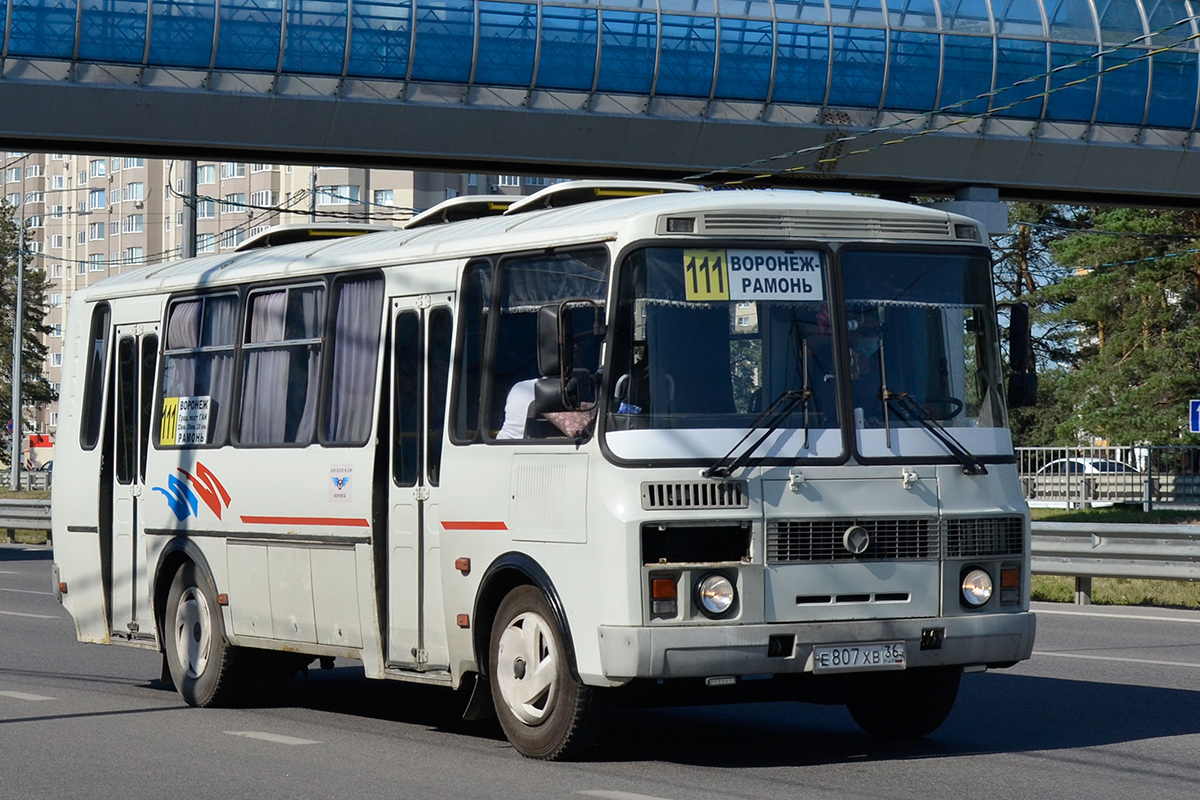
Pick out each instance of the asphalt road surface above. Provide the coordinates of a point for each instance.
(1108, 707)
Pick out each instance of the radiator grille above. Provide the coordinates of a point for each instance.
(820, 540)
(984, 536)
(694, 494)
(815, 225)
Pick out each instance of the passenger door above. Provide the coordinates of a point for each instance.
(421, 336)
(133, 394)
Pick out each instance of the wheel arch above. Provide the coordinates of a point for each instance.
(179, 551)
(503, 575)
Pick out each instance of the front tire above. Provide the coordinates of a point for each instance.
(905, 705)
(206, 669)
(545, 712)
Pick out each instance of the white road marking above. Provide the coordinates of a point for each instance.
(6, 572)
(610, 795)
(33, 616)
(26, 591)
(1145, 617)
(25, 696)
(1119, 659)
(272, 737)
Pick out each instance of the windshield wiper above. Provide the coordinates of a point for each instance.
(907, 409)
(770, 419)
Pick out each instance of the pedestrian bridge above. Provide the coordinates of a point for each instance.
(1087, 99)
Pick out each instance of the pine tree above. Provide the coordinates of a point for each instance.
(35, 389)
(1131, 311)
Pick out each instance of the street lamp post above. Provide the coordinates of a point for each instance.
(14, 471)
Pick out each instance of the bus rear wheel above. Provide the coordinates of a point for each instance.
(907, 704)
(206, 669)
(545, 712)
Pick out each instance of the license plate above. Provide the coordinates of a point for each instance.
(858, 657)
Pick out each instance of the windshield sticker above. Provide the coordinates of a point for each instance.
(184, 420)
(781, 275)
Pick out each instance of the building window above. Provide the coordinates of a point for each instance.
(130, 163)
(510, 180)
(206, 209)
(537, 181)
(56, 212)
(56, 330)
(385, 197)
(58, 181)
(114, 227)
(233, 203)
(12, 174)
(206, 174)
(472, 179)
(264, 199)
(337, 195)
(56, 271)
(97, 168)
(13, 199)
(134, 255)
(81, 237)
(35, 171)
(133, 191)
(263, 167)
(206, 243)
(36, 221)
(95, 231)
(115, 165)
(95, 262)
(231, 169)
(56, 241)
(54, 414)
(56, 359)
(132, 224)
(35, 197)
(232, 238)
(96, 199)
(81, 176)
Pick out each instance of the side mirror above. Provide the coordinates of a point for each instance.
(553, 334)
(1022, 381)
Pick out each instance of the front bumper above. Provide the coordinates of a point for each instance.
(703, 651)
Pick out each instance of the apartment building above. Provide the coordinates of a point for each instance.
(92, 216)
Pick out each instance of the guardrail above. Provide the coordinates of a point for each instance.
(32, 515)
(1085, 550)
(30, 479)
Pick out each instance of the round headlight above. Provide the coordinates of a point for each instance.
(976, 588)
(715, 593)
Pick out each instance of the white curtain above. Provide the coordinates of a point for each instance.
(355, 355)
(265, 381)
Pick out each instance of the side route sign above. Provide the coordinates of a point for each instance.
(1194, 415)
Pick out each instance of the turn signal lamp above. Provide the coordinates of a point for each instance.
(1010, 585)
(664, 597)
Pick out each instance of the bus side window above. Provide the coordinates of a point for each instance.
(126, 401)
(476, 297)
(406, 423)
(198, 358)
(93, 391)
(354, 356)
(148, 371)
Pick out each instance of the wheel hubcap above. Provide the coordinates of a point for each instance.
(193, 633)
(527, 668)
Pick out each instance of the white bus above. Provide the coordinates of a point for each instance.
(623, 442)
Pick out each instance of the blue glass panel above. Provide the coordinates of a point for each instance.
(1123, 91)
(507, 43)
(445, 40)
(113, 30)
(801, 10)
(42, 28)
(913, 14)
(569, 40)
(1072, 103)
(744, 72)
(966, 16)
(1071, 20)
(801, 64)
(181, 32)
(1120, 22)
(1173, 90)
(913, 76)
(859, 12)
(858, 62)
(627, 51)
(249, 37)
(1019, 18)
(689, 48)
(379, 38)
(1165, 14)
(316, 36)
(968, 74)
(1018, 60)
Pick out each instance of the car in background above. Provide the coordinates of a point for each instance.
(1086, 466)
(1083, 480)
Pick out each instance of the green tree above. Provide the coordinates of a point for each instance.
(1128, 317)
(35, 389)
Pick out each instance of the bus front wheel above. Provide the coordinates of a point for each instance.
(206, 669)
(544, 711)
(905, 705)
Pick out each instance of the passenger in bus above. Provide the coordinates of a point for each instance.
(521, 420)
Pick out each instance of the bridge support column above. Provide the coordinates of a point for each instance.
(981, 203)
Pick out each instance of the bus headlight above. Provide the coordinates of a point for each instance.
(976, 588)
(715, 593)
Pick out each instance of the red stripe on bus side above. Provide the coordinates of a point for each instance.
(474, 526)
(337, 522)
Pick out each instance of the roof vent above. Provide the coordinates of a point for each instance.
(573, 193)
(457, 209)
(290, 234)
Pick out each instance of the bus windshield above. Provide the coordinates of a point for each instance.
(711, 343)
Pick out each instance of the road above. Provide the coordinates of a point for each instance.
(1107, 707)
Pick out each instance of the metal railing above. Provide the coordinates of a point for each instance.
(32, 515)
(1084, 477)
(30, 479)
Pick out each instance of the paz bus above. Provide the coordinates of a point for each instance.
(613, 442)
